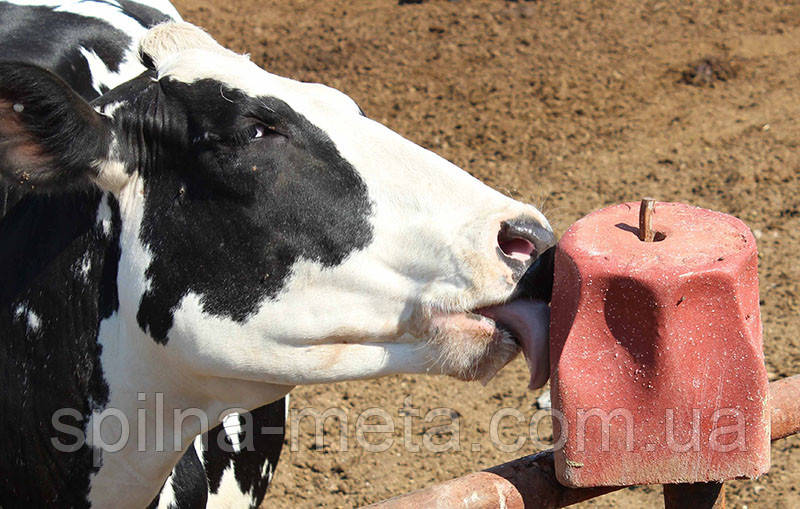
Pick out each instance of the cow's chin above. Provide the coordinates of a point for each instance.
(471, 347)
(477, 345)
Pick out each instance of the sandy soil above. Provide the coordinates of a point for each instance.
(572, 106)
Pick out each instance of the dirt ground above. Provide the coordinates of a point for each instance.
(571, 106)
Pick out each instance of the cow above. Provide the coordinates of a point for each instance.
(189, 233)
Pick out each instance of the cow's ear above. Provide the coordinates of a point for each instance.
(50, 138)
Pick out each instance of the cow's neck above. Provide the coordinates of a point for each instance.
(152, 407)
(149, 386)
(152, 395)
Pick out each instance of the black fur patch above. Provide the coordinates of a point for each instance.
(268, 429)
(143, 14)
(235, 213)
(45, 244)
(188, 482)
(192, 480)
(51, 39)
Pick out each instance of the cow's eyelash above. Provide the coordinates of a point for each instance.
(246, 135)
(239, 138)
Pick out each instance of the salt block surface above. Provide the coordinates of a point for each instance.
(656, 351)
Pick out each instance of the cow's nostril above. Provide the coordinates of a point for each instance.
(518, 241)
(515, 247)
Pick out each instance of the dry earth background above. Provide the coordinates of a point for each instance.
(572, 106)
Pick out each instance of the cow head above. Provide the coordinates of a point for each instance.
(270, 232)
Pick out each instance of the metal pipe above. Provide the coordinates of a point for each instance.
(785, 404)
(531, 481)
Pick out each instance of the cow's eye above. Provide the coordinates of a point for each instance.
(249, 134)
(260, 131)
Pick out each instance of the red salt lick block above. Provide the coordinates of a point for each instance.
(656, 354)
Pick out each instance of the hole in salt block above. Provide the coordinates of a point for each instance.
(658, 237)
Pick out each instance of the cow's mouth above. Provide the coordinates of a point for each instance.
(526, 318)
(475, 345)
(527, 322)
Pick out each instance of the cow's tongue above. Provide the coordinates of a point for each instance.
(529, 322)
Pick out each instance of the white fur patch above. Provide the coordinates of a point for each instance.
(102, 76)
(111, 175)
(229, 494)
(233, 429)
(82, 267)
(109, 109)
(86, 266)
(33, 321)
(167, 498)
(104, 218)
(168, 39)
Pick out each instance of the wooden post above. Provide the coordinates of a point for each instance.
(701, 495)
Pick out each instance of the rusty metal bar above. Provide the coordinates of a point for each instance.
(524, 482)
(531, 482)
(785, 404)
